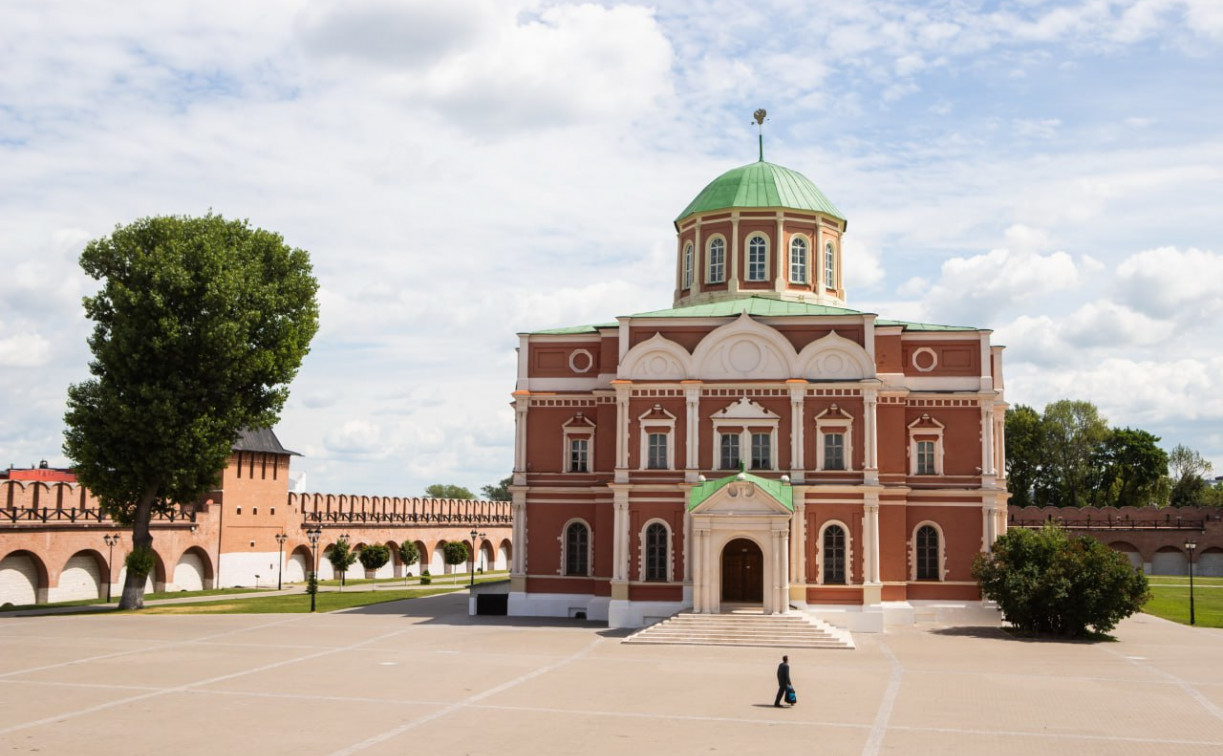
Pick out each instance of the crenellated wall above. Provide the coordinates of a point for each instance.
(1152, 537)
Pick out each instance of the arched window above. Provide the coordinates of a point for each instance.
(798, 260)
(577, 549)
(717, 260)
(830, 257)
(834, 555)
(656, 552)
(927, 553)
(688, 266)
(757, 258)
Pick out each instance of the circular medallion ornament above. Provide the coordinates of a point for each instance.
(744, 356)
(580, 361)
(925, 359)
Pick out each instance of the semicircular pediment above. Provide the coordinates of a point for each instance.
(656, 359)
(743, 349)
(835, 357)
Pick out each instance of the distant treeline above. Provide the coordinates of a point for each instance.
(1068, 456)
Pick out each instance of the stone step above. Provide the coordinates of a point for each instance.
(742, 629)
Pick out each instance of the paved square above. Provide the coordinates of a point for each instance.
(416, 677)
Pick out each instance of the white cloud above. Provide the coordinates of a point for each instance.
(24, 350)
(1170, 282)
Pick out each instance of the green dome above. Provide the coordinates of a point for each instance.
(761, 184)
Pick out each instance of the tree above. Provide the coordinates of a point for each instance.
(373, 556)
(409, 554)
(448, 491)
(1128, 468)
(455, 552)
(1044, 581)
(498, 491)
(1188, 470)
(341, 557)
(1073, 432)
(1026, 467)
(199, 326)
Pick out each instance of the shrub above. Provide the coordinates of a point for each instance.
(373, 556)
(1045, 581)
(408, 553)
(425, 578)
(341, 557)
(456, 552)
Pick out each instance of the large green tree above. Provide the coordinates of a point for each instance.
(1073, 433)
(1026, 452)
(448, 491)
(1128, 467)
(499, 491)
(1188, 472)
(200, 324)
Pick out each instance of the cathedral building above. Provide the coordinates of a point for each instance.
(758, 444)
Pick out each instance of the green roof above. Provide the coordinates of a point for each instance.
(753, 305)
(756, 306)
(761, 184)
(775, 488)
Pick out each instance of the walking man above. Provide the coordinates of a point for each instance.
(783, 679)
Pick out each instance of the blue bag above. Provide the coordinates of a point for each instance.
(791, 696)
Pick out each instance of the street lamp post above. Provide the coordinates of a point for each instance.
(280, 539)
(313, 535)
(474, 533)
(110, 540)
(1190, 546)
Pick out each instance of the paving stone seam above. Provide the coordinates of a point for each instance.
(382, 737)
(884, 714)
(1183, 684)
(185, 687)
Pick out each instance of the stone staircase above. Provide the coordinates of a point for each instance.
(796, 630)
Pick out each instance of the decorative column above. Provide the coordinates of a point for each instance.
(692, 427)
(522, 401)
(798, 394)
(987, 437)
(620, 544)
(870, 400)
(732, 282)
(779, 247)
(872, 588)
(698, 260)
(623, 392)
(798, 550)
(518, 561)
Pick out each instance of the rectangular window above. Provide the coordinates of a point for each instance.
(717, 261)
(688, 267)
(730, 451)
(834, 451)
(829, 271)
(925, 458)
(577, 455)
(657, 447)
(762, 458)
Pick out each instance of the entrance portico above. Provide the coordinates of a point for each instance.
(741, 546)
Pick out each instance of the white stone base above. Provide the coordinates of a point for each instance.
(876, 618)
(557, 605)
(857, 619)
(634, 614)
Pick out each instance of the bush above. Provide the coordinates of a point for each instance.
(455, 552)
(425, 578)
(373, 556)
(408, 553)
(1044, 581)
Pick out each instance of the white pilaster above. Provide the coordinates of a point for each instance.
(620, 546)
(692, 438)
(870, 538)
(522, 402)
(987, 437)
(870, 401)
(798, 466)
(623, 391)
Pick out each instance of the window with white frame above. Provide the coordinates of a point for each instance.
(579, 449)
(834, 439)
(688, 265)
(579, 444)
(925, 446)
(927, 553)
(656, 452)
(729, 445)
(833, 551)
(834, 451)
(830, 258)
(717, 260)
(757, 258)
(656, 552)
(762, 451)
(925, 458)
(577, 549)
(798, 260)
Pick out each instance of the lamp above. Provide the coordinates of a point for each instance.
(313, 535)
(1190, 545)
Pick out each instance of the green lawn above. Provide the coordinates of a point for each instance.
(327, 601)
(147, 597)
(1170, 599)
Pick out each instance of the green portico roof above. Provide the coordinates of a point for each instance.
(775, 488)
(761, 184)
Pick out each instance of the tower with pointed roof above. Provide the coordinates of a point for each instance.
(758, 444)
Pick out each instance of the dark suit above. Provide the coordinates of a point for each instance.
(783, 681)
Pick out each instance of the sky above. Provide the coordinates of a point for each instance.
(464, 171)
